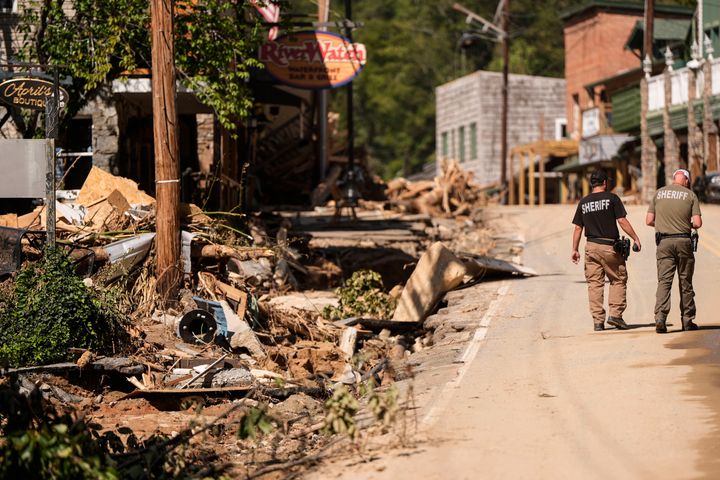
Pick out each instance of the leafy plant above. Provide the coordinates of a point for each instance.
(97, 41)
(254, 422)
(55, 451)
(362, 295)
(50, 310)
(340, 412)
(383, 405)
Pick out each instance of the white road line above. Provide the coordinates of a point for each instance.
(467, 358)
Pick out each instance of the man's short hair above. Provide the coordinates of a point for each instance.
(597, 178)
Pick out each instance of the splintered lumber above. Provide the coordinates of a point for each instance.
(347, 342)
(437, 272)
(99, 185)
(477, 265)
(225, 251)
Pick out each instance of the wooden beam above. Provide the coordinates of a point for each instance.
(511, 178)
(564, 189)
(542, 179)
(531, 180)
(521, 181)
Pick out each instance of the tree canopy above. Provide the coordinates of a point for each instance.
(415, 45)
(97, 41)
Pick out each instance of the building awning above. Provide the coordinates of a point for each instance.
(548, 148)
(574, 165)
(665, 30)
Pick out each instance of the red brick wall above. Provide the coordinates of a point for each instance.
(595, 49)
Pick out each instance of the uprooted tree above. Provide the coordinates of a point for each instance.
(97, 41)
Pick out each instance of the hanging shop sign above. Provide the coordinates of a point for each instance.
(313, 60)
(29, 93)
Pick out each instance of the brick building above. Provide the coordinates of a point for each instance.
(602, 70)
(596, 36)
(468, 118)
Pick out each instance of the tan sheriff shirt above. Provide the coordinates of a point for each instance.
(674, 206)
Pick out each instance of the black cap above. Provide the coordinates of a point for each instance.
(597, 178)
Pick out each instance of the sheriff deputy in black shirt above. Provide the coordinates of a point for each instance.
(599, 213)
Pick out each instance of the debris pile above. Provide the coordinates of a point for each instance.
(255, 323)
(452, 193)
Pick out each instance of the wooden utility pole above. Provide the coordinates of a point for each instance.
(167, 162)
(322, 104)
(648, 162)
(502, 35)
(504, 26)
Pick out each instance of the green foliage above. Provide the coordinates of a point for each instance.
(98, 40)
(253, 423)
(50, 310)
(383, 405)
(340, 410)
(55, 451)
(362, 295)
(216, 45)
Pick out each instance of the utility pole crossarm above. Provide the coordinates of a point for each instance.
(487, 24)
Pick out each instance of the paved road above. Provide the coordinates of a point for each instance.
(544, 396)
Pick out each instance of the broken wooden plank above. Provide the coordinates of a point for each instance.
(224, 251)
(376, 324)
(204, 372)
(478, 265)
(175, 392)
(437, 272)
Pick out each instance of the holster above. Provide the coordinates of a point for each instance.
(622, 247)
(658, 237)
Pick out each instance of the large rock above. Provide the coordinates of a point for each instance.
(437, 272)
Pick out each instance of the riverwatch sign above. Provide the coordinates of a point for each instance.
(313, 60)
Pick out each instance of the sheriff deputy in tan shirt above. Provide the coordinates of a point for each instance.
(674, 211)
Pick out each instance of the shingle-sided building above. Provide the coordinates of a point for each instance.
(468, 118)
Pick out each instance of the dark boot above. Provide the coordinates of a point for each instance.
(599, 327)
(618, 323)
(660, 326)
(690, 325)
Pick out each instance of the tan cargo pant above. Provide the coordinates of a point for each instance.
(601, 261)
(671, 254)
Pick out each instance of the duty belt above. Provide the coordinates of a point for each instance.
(602, 241)
(673, 235)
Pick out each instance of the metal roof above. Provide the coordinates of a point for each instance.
(627, 6)
(666, 30)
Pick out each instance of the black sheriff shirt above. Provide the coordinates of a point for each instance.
(598, 213)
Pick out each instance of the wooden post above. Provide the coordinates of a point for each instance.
(648, 160)
(167, 162)
(521, 179)
(695, 135)
(564, 189)
(542, 159)
(672, 153)
(585, 184)
(511, 176)
(619, 176)
(709, 129)
(505, 25)
(531, 179)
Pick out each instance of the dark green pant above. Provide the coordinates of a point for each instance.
(675, 254)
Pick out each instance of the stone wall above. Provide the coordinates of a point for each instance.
(477, 99)
(105, 129)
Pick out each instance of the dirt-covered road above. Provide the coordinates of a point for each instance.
(543, 396)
